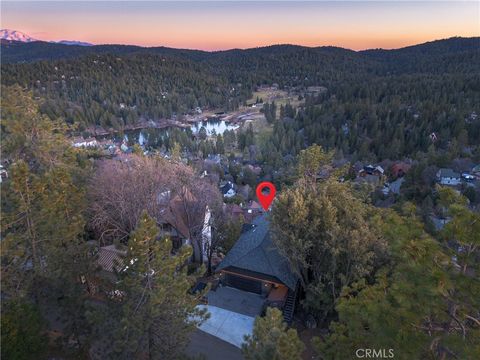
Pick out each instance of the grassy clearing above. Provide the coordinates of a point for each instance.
(281, 97)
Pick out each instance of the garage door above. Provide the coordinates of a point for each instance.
(244, 284)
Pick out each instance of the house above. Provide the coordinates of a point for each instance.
(439, 222)
(213, 159)
(228, 190)
(476, 171)
(313, 90)
(371, 170)
(124, 147)
(370, 174)
(110, 258)
(253, 276)
(3, 174)
(255, 265)
(448, 177)
(80, 142)
(109, 262)
(393, 187)
(399, 169)
(471, 118)
(255, 169)
(233, 211)
(184, 218)
(252, 210)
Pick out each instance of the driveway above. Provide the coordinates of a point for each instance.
(227, 325)
(211, 347)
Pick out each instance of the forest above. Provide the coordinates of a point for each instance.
(113, 85)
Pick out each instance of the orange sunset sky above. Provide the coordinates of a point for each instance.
(242, 24)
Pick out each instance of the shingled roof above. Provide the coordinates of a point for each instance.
(255, 252)
(110, 258)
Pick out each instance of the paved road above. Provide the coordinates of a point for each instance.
(212, 347)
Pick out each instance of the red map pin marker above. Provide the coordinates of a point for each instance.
(266, 199)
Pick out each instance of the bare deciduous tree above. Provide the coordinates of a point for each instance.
(170, 192)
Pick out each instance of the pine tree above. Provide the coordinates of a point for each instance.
(220, 147)
(340, 246)
(44, 255)
(311, 160)
(271, 340)
(152, 311)
(176, 151)
(23, 331)
(419, 306)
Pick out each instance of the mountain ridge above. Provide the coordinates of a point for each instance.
(37, 50)
(73, 42)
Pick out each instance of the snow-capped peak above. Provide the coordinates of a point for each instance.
(14, 35)
(7, 34)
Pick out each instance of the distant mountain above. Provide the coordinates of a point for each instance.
(436, 47)
(446, 53)
(73, 42)
(14, 35)
(19, 52)
(456, 54)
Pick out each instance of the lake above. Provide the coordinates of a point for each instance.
(213, 126)
(152, 137)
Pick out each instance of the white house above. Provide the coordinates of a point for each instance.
(448, 177)
(81, 142)
(228, 190)
(3, 173)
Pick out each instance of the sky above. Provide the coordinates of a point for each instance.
(219, 25)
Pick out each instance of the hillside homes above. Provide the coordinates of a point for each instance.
(80, 142)
(447, 176)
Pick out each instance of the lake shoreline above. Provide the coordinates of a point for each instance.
(150, 124)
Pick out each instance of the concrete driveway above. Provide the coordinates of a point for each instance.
(211, 347)
(227, 325)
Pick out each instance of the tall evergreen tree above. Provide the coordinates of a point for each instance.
(271, 340)
(149, 314)
(43, 251)
(23, 331)
(420, 306)
(339, 246)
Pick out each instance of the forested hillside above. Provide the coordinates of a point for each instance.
(110, 91)
(390, 117)
(378, 103)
